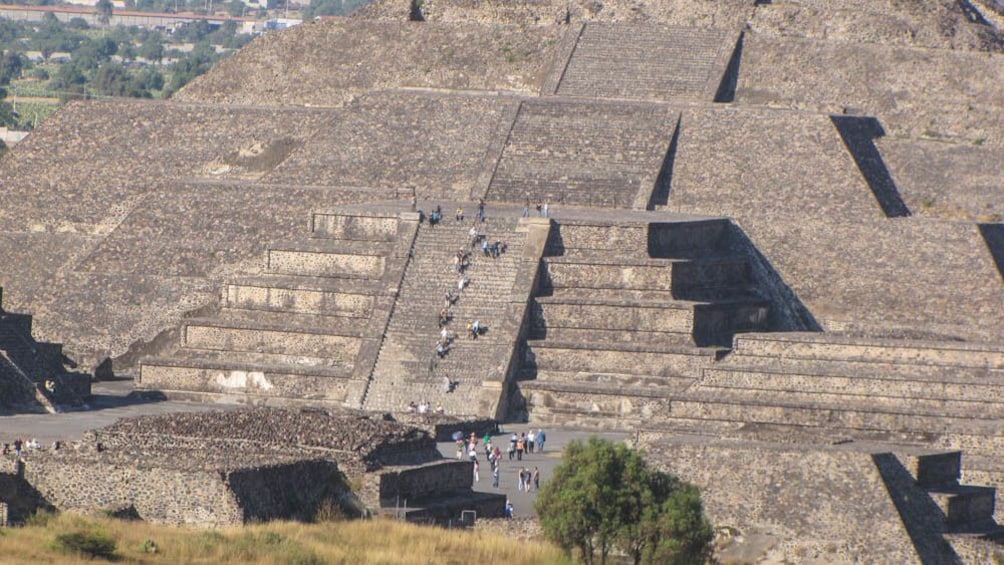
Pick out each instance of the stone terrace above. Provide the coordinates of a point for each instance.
(919, 23)
(438, 143)
(616, 332)
(853, 387)
(838, 504)
(303, 329)
(26, 366)
(374, 442)
(913, 92)
(583, 153)
(720, 14)
(647, 62)
(853, 268)
(952, 181)
(127, 244)
(230, 467)
(337, 60)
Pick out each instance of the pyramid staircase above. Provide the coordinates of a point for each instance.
(408, 368)
(305, 328)
(27, 366)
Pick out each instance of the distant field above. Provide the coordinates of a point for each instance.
(351, 543)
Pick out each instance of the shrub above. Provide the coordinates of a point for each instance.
(91, 544)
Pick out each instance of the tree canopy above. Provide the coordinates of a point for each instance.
(604, 497)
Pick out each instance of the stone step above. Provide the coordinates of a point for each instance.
(721, 405)
(948, 374)
(579, 313)
(308, 295)
(539, 331)
(593, 418)
(354, 227)
(246, 330)
(627, 382)
(827, 346)
(278, 321)
(644, 359)
(794, 396)
(342, 363)
(591, 269)
(862, 385)
(592, 392)
(197, 375)
(354, 259)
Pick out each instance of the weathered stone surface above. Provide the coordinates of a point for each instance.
(336, 60)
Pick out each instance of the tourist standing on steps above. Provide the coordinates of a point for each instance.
(495, 475)
(541, 437)
(512, 445)
(460, 214)
(509, 510)
(536, 479)
(477, 471)
(520, 447)
(529, 441)
(481, 209)
(526, 207)
(546, 210)
(522, 479)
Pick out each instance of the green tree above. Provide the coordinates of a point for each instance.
(104, 9)
(604, 497)
(152, 48)
(236, 8)
(10, 67)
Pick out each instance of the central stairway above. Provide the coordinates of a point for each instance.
(408, 368)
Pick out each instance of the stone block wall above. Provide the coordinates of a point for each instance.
(341, 226)
(604, 275)
(290, 491)
(682, 239)
(222, 380)
(416, 483)
(161, 495)
(599, 236)
(324, 264)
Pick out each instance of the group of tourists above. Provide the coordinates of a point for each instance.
(461, 262)
(543, 208)
(424, 407)
(524, 443)
(20, 446)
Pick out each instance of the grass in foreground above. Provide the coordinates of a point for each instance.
(359, 542)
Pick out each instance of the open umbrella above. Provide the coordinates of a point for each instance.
(457, 435)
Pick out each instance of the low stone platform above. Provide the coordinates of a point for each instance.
(230, 467)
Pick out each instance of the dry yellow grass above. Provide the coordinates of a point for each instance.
(362, 542)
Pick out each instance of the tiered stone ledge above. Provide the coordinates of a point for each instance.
(842, 348)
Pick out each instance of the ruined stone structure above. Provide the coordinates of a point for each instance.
(771, 222)
(32, 374)
(235, 466)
